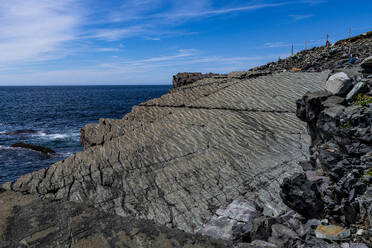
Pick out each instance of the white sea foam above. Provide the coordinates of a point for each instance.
(56, 136)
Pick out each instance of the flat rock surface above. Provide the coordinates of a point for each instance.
(179, 158)
(26, 221)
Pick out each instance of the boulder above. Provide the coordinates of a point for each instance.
(302, 196)
(367, 63)
(233, 221)
(339, 84)
(33, 147)
(332, 232)
(360, 87)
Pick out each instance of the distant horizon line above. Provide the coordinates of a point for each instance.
(79, 85)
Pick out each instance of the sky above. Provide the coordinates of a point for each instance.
(127, 42)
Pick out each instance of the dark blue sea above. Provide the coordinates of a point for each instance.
(55, 115)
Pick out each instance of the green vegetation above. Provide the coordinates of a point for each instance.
(347, 125)
(363, 100)
(368, 174)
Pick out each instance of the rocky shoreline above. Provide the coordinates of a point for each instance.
(224, 156)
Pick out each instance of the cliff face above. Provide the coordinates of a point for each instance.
(179, 158)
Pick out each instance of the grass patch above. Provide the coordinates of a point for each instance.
(362, 100)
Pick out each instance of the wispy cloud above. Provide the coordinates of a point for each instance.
(108, 49)
(35, 29)
(300, 17)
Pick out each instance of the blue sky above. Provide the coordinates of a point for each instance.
(48, 42)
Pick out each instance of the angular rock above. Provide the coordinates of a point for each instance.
(332, 232)
(302, 196)
(283, 236)
(339, 84)
(235, 220)
(360, 87)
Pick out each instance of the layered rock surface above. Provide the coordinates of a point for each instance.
(26, 221)
(179, 158)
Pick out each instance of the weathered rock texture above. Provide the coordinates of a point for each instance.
(26, 221)
(179, 158)
(186, 78)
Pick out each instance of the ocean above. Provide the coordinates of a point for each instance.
(55, 115)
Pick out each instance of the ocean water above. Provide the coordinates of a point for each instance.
(56, 115)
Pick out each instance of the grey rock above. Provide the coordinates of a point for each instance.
(256, 244)
(360, 87)
(283, 236)
(339, 84)
(240, 211)
(357, 245)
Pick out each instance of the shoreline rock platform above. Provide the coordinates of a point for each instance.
(221, 155)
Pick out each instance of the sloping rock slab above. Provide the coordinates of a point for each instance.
(179, 158)
(26, 221)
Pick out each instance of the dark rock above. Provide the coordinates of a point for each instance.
(351, 211)
(302, 196)
(367, 63)
(20, 132)
(34, 148)
(261, 227)
(309, 107)
(186, 78)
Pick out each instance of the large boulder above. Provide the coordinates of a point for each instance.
(339, 84)
(302, 196)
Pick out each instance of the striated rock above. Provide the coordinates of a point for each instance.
(179, 158)
(339, 84)
(302, 196)
(34, 148)
(332, 232)
(26, 221)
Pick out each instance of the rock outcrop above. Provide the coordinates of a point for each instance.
(185, 78)
(179, 158)
(221, 155)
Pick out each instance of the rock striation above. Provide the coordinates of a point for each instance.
(26, 221)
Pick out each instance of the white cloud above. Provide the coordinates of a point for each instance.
(300, 17)
(34, 30)
(108, 49)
